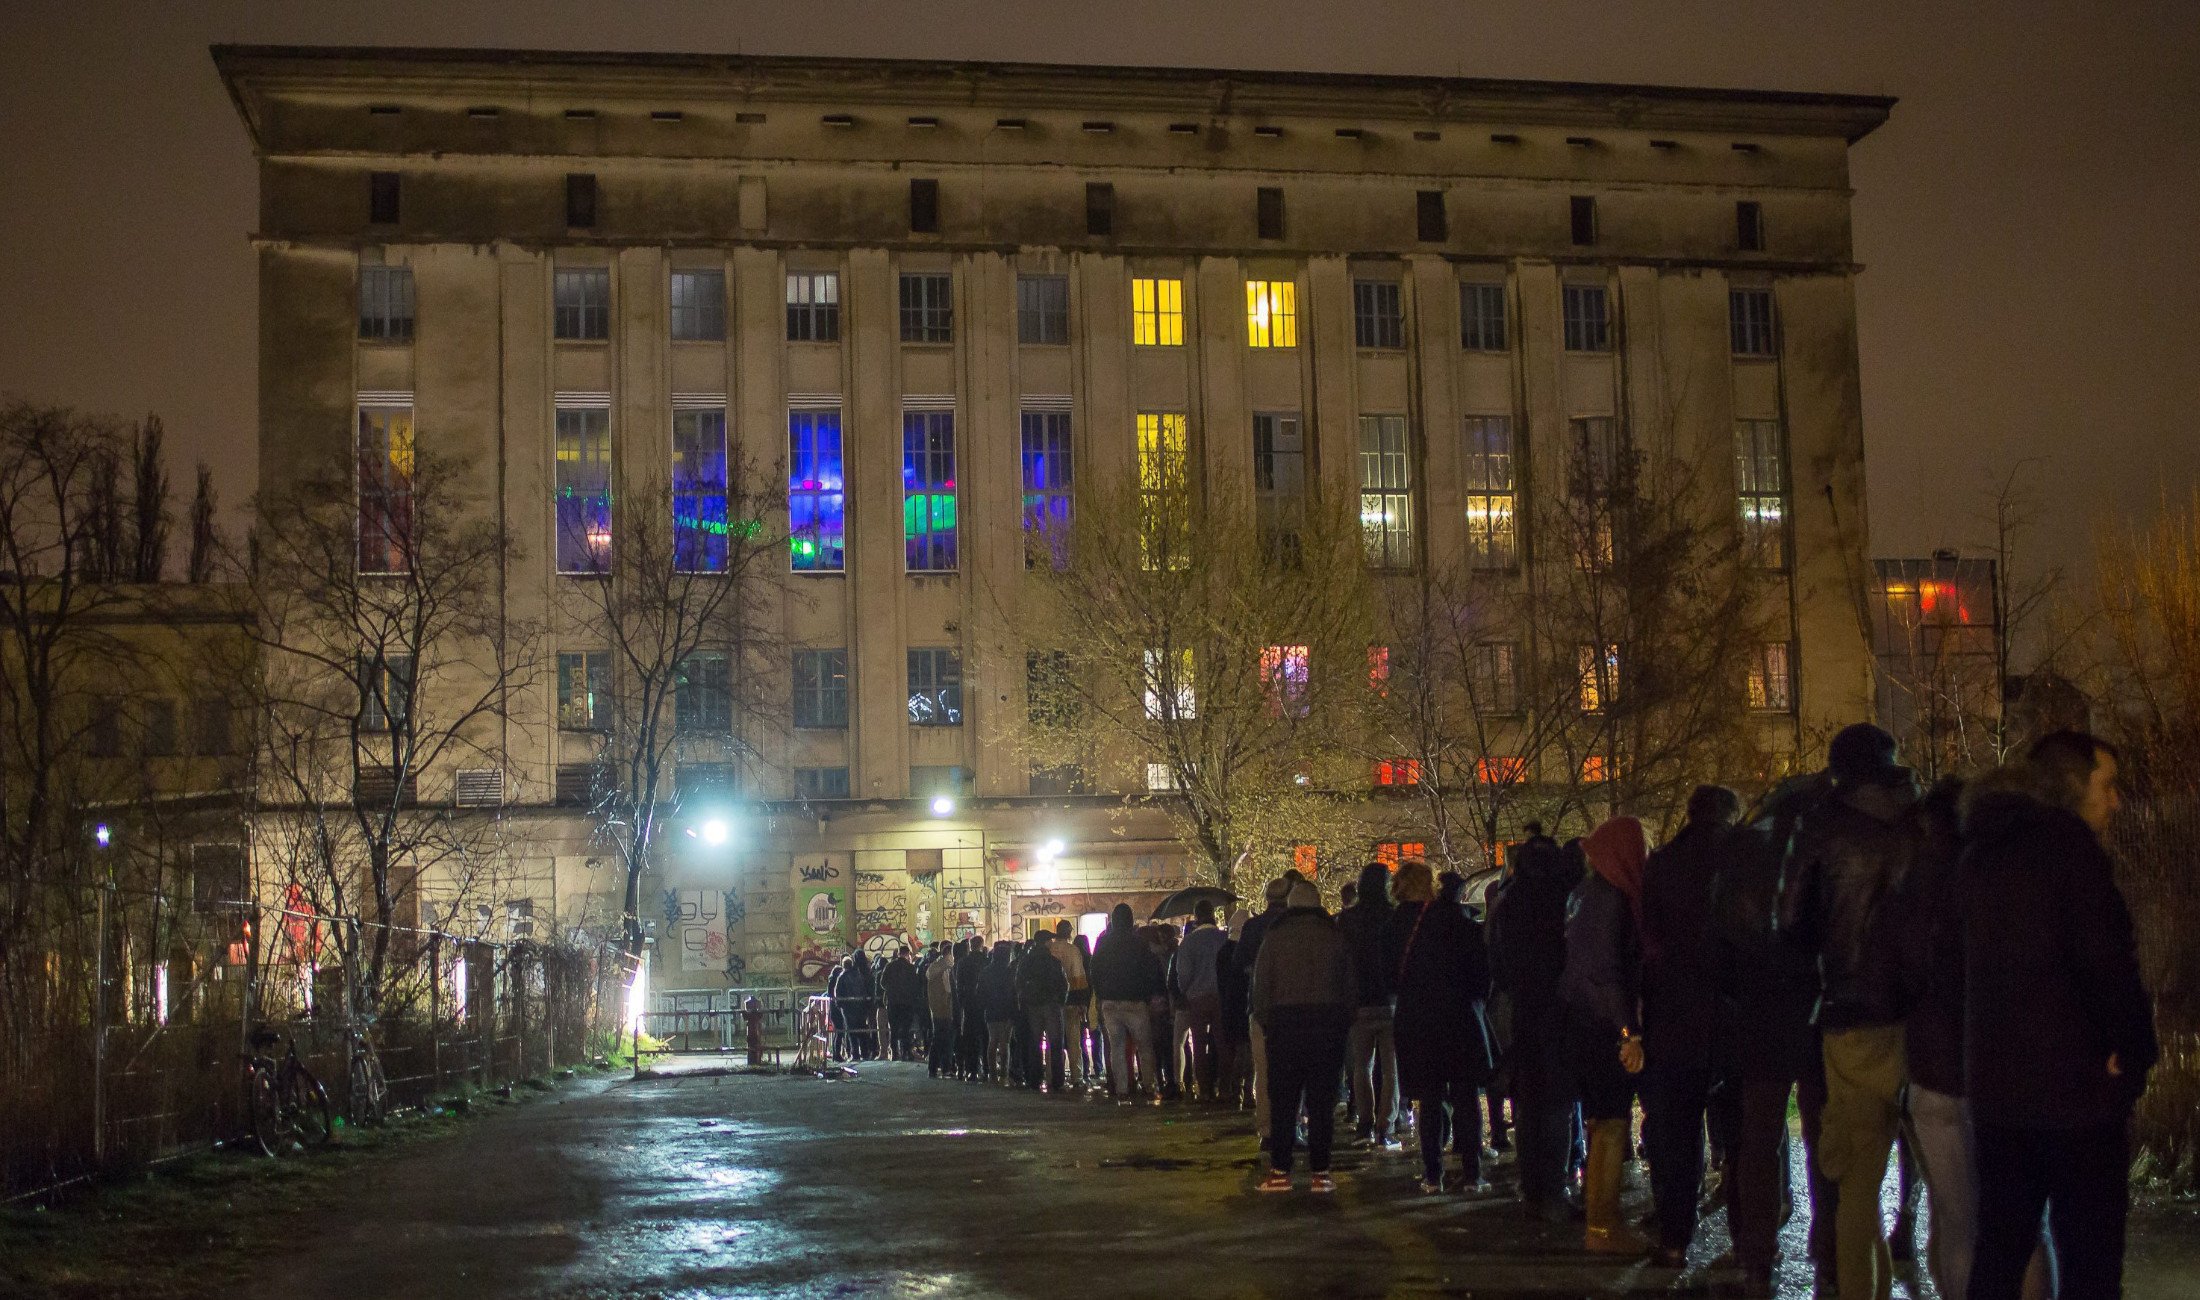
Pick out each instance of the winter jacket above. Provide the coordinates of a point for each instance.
(1602, 982)
(1234, 986)
(1195, 961)
(1249, 938)
(1679, 986)
(1303, 964)
(1124, 969)
(1363, 925)
(1439, 967)
(997, 987)
(969, 986)
(1846, 862)
(1040, 982)
(901, 983)
(1527, 934)
(1929, 911)
(2051, 971)
(939, 987)
(1767, 987)
(856, 980)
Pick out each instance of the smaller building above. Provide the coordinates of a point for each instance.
(1938, 652)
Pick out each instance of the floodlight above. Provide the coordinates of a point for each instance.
(715, 831)
(942, 805)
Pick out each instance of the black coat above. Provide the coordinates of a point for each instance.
(1363, 925)
(1845, 863)
(1440, 971)
(997, 987)
(1680, 992)
(2051, 971)
(1124, 969)
(1767, 986)
(1527, 937)
(902, 983)
(1929, 908)
(1040, 980)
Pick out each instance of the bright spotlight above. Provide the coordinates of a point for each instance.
(715, 831)
(1052, 849)
(103, 835)
(942, 805)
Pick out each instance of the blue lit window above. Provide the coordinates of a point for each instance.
(1046, 486)
(583, 495)
(816, 500)
(928, 490)
(699, 491)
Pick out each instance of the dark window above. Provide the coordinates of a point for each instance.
(702, 693)
(211, 727)
(1386, 492)
(821, 688)
(1378, 316)
(699, 306)
(580, 200)
(1064, 780)
(926, 781)
(1047, 485)
(1749, 226)
(1749, 322)
(382, 192)
(577, 784)
(385, 691)
(813, 306)
(584, 690)
(1279, 482)
(103, 729)
(1587, 318)
(694, 784)
(1428, 217)
(1582, 210)
(1099, 208)
(924, 207)
(928, 490)
(821, 782)
(1042, 309)
(218, 878)
(1050, 696)
(1269, 210)
(160, 728)
(1482, 317)
(583, 303)
(386, 304)
(935, 688)
(927, 309)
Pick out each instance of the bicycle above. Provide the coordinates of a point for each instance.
(286, 1104)
(367, 1097)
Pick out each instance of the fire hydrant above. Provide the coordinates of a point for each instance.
(752, 1012)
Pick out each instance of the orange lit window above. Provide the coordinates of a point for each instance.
(1501, 770)
(1398, 771)
(1306, 860)
(1378, 669)
(1392, 852)
(1594, 771)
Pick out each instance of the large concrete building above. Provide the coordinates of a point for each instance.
(934, 288)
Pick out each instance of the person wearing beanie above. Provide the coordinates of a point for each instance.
(1845, 862)
(1248, 952)
(1371, 1050)
(1302, 998)
(1126, 977)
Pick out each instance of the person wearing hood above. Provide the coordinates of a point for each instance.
(1126, 977)
(970, 1009)
(901, 986)
(1196, 978)
(939, 996)
(1248, 953)
(1844, 867)
(997, 998)
(1371, 1049)
(2058, 1030)
(1302, 997)
(1680, 1009)
(1041, 989)
(1601, 992)
(1527, 942)
(1435, 959)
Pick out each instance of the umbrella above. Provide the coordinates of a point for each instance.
(1186, 901)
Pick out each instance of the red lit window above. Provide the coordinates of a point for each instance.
(1398, 771)
(1392, 852)
(1306, 860)
(1594, 771)
(1378, 669)
(1501, 770)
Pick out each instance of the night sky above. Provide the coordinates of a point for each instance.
(2028, 221)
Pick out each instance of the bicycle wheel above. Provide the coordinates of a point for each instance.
(263, 1105)
(305, 1105)
(370, 1091)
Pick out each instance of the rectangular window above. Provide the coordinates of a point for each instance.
(1042, 309)
(1749, 322)
(1599, 677)
(924, 207)
(382, 196)
(702, 694)
(1581, 215)
(813, 306)
(1386, 492)
(1588, 318)
(583, 303)
(580, 200)
(1164, 490)
(821, 782)
(1378, 317)
(1595, 468)
(1760, 479)
(1271, 314)
(821, 688)
(1392, 852)
(385, 489)
(103, 728)
(385, 690)
(1160, 777)
(584, 690)
(1768, 678)
(1395, 772)
(1099, 208)
(927, 309)
(928, 490)
(1429, 225)
(1283, 680)
(1047, 487)
(1493, 538)
(816, 492)
(1279, 483)
(160, 728)
(583, 492)
(1268, 211)
(1306, 860)
(699, 306)
(1501, 769)
(929, 781)
(1749, 226)
(1482, 317)
(212, 729)
(1171, 691)
(700, 526)
(1494, 678)
(386, 304)
(935, 688)
(1050, 696)
(1157, 313)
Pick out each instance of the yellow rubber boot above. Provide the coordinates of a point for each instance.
(1608, 1232)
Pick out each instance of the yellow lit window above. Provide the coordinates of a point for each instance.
(1599, 678)
(1271, 313)
(1163, 490)
(1157, 313)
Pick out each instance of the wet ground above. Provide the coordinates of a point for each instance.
(895, 1184)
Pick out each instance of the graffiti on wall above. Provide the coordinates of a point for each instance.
(824, 912)
(696, 921)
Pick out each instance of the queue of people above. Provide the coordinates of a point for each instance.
(1946, 978)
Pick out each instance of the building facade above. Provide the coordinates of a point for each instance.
(940, 299)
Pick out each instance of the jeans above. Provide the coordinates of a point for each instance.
(2080, 1178)
(1371, 1053)
(1305, 1050)
(1465, 1123)
(1863, 1109)
(939, 1055)
(1129, 1026)
(1201, 1019)
(997, 1059)
(1047, 1046)
(1675, 1099)
(902, 1029)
